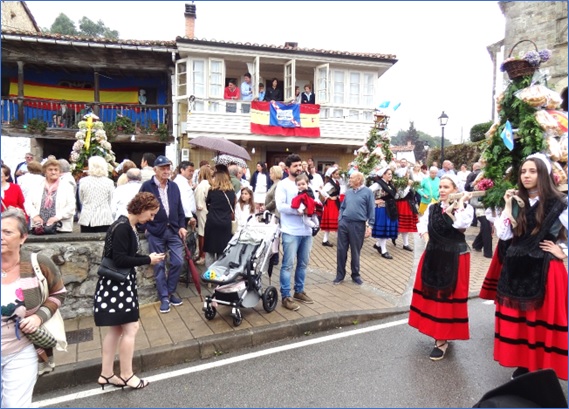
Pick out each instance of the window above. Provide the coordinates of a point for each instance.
(198, 78)
(289, 80)
(216, 78)
(368, 90)
(354, 88)
(322, 85)
(181, 79)
(338, 87)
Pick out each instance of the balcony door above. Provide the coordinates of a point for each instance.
(289, 80)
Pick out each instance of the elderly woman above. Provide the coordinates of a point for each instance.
(11, 193)
(220, 204)
(22, 307)
(126, 166)
(96, 194)
(202, 189)
(122, 245)
(53, 202)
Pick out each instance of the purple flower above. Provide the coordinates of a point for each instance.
(533, 58)
(545, 55)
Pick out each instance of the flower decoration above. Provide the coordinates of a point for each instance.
(534, 58)
(484, 184)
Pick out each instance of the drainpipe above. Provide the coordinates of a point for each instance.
(174, 113)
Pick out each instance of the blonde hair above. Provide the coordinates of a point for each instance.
(98, 166)
(277, 171)
(221, 181)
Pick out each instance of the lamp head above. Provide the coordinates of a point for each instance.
(443, 119)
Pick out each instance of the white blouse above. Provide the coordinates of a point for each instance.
(463, 218)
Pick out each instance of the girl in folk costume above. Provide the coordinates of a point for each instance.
(407, 213)
(386, 220)
(531, 303)
(332, 202)
(440, 295)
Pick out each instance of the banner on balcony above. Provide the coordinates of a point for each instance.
(54, 92)
(277, 118)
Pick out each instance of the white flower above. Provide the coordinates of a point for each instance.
(101, 134)
(98, 125)
(82, 124)
(80, 135)
(77, 146)
(74, 157)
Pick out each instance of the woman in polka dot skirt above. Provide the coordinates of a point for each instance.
(116, 303)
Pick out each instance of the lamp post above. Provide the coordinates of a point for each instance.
(443, 119)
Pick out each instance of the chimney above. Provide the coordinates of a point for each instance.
(290, 44)
(190, 15)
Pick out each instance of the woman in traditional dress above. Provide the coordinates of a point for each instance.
(407, 213)
(440, 295)
(531, 303)
(386, 220)
(115, 303)
(331, 197)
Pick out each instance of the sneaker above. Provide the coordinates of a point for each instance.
(357, 280)
(438, 353)
(164, 306)
(519, 372)
(175, 300)
(289, 304)
(302, 297)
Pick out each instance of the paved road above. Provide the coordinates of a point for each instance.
(371, 365)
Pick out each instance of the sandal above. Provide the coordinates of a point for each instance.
(438, 352)
(108, 381)
(141, 384)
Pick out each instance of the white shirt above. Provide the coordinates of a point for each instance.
(187, 195)
(291, 221)
(29, 181)
(463, 218)
(122, 196)
(316, 184)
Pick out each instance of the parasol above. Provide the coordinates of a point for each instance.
(221, 146)
(227, 159)
(192, 268)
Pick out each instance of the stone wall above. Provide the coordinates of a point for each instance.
(78, 257)
(545, 23)
(14, 17)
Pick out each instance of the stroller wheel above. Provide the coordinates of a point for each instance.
(237, 318)
(270, 299)
(210, 313)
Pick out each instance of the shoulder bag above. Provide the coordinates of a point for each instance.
(234, 223)
(52, 332)
(108, 268)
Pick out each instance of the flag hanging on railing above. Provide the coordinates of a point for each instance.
(277, 118)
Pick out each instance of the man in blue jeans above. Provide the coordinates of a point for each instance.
(166, 231)
(296, 237)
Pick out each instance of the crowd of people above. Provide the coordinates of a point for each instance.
(527, 277)
(245, 92)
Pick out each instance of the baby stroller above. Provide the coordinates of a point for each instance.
(240, 268)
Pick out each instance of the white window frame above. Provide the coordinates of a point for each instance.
(179, 72)
(350, 88)
(333, 81)
(194, 82)
(221, 84)
(289, 76)
(322, 84)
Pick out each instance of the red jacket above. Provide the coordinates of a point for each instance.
(306, 200)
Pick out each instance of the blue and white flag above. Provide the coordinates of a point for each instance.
(396, 106)
(384, 104)
(508, 136)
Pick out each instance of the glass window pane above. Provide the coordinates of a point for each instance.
(338, 87)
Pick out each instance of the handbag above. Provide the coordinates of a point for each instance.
(108, 269)
(234, 223)
(44, 229)
(53, 327)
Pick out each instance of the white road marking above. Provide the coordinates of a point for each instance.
(216, 364)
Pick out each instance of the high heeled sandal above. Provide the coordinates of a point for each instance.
(141, 384)
(108, 381)
(438, 352)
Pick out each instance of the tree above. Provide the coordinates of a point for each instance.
(63, 25)
(478, 131)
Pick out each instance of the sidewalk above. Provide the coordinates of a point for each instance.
(184, 335)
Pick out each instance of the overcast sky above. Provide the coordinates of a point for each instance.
(441, 46)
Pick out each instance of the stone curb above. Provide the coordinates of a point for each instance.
(149, 359)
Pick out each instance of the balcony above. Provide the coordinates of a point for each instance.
(46, 118)
(339, 125)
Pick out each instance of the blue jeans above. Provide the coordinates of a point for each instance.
(299, 247)
(166, 286)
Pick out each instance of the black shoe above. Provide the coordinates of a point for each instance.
(394, 241)
(407, 248)
(477, 250)
(327, 244)
(357, 280)
(519, 372)
(378, 248)
(438, 353)
(386, 255)
(337, 281)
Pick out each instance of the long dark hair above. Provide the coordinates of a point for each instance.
(546, 190)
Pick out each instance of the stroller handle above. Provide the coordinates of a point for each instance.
(267, 217)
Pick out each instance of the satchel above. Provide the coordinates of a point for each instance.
(234, 223)
(52, 328)
(108, 269)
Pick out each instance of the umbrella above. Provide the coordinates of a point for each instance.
(192, 268)
(221, 146)
(227, 159)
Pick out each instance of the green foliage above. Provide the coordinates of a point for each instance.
(477, 132)
(466, 153)
(163, 132)
(124, 125)
(64, 25)
(37, 126)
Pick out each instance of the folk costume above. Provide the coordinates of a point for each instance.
(331, 210)
(440, 295)
(386, 215)
(531, 301)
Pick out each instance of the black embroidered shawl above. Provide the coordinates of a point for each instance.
(522, 280)
(390, 205)
(440, 265)
(335, 192)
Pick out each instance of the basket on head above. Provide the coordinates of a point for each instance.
(519, 68)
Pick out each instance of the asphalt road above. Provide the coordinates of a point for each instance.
(380, 364)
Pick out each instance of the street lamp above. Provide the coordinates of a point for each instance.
(443, 119)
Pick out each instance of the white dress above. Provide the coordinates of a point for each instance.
(260, 189)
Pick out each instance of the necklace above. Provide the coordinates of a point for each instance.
(532, 192)
(5, 272)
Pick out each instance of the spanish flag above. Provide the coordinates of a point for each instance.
(277, 118)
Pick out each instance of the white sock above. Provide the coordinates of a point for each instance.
(383, 245)
(405, 238)
(325, 238)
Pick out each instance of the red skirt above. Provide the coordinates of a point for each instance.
(490, 284)
(407, 219)
(330, 216)
(444, 319)
(536, 339)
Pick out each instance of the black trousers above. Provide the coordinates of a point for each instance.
(484, 239)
